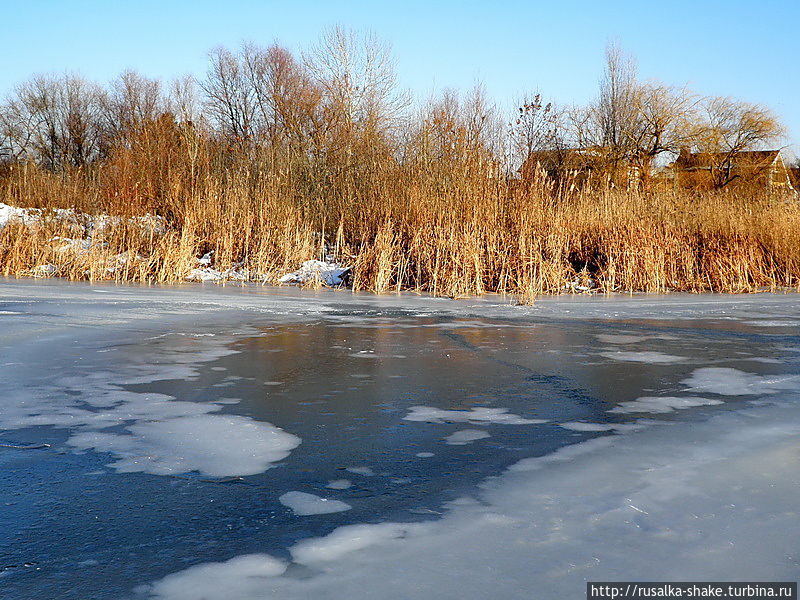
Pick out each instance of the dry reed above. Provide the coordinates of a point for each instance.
(401, 231)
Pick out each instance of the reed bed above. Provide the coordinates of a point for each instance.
(398, 229)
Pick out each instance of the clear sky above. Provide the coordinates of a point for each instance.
(745, 49)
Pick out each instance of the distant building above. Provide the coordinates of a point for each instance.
(594, 166)
(760, 169)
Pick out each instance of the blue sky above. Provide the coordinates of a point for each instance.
(748, 50)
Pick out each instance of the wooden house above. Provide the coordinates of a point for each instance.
(760, 169)
(594, 167)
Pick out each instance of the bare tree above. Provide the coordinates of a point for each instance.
(730, 127)
(615, 111)
(132, 99)
(230, 101)
(539, 127)
(182, 101)
(356, 74)
(132, 102)
(54, 121)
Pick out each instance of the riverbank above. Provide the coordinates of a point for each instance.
(496, 237)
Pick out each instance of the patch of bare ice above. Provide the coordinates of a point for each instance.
(613, 338)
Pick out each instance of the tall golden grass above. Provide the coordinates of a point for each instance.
(286, 158)
(400, 228)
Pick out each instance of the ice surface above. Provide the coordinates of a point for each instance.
(466, 436)
(699, 500)
(240, 577)
(695, 501)
(309, 504)
(476, 415)
(643, 357)
(733, 382)
(662, 404)
(160, 434)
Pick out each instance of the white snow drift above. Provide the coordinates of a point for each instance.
(328, 273)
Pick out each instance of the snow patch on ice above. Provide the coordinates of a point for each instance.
(366, 471)
(305, 504)
(347, 539)
(616, 427)
(774, 323)
(339, 484)
(643, 357)
(181, 445)
(240, 577)
(662, 404)
(478, 414)
(466, 436)
(157, 433)
(733, 382)
(664, 495)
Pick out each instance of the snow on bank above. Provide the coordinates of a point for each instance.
(328, 273)
(204, 274)
(90, 223)
(694, 501)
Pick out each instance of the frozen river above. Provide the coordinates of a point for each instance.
(194, 443)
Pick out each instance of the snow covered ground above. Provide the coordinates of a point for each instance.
(686, 466)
